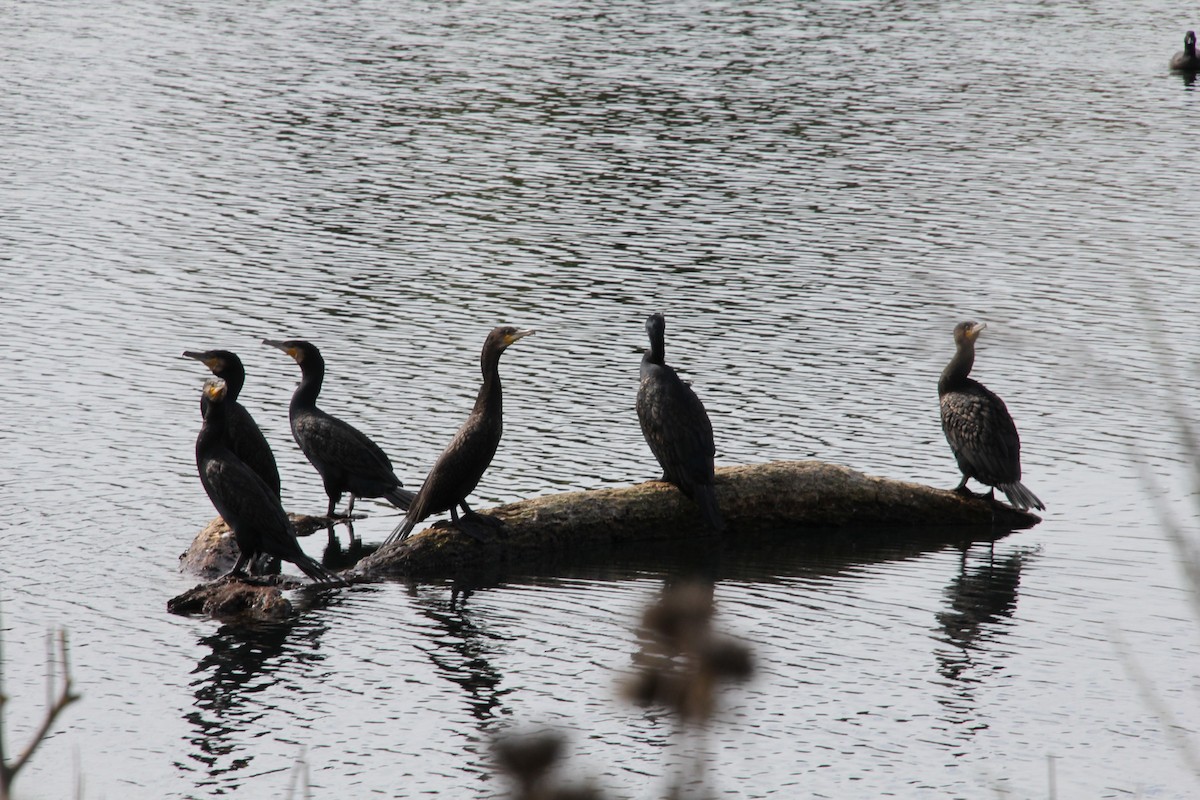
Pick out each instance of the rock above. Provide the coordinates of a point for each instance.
(760, 503)
(234, 600)
(214, 552)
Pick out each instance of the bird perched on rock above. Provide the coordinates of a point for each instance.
(248, 506)
(345, 458)
(979, 428)
(676, 426)
(458, 469)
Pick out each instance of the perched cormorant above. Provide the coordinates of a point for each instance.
(458, 469)
(978, 426)
(248, 506)
(1187, 61)
(245, 439)
(346, 459)
(676, 426)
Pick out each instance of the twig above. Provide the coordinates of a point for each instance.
(64, 698)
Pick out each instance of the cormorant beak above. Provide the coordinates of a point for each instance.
(976, 329)
(278, 345)
(214, 364)
(512, 337)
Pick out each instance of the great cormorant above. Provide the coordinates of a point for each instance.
(346, 459)
(676, 426)
(246, 440)
(458, 469)
(248, 506)
(1187, 61)
(978, 426)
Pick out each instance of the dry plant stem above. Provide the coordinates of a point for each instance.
(56, 704)
(1179, 739)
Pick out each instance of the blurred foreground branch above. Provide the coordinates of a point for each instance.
(680, 664)
(59, 695)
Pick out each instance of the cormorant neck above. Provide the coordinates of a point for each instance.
(213, 428)
(312, 375)
(657, 353)
(490, 391)
(234, 379)
(960, 366)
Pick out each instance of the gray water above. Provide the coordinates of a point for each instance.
(813, 193)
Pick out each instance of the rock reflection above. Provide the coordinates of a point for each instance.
(242, 670)
(981, 598)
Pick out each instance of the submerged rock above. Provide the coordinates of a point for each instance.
(234, 600)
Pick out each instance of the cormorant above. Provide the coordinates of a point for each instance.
(248, 506)
(245, 439)
(676, 426)
(1187, 61)
(346, 459)
(458, 469)
(978, 426)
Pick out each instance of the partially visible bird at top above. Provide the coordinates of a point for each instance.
(979, 428)
(245, 438)
(459, 468)
(248, 506)
(676, 426)
(345, 458)
(1187, 60)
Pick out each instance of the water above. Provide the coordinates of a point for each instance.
(813, 195)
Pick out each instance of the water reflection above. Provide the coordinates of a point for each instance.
(244, 666)
(337, 556)
(460, 647)
(981, 598)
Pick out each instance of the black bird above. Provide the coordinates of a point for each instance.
(1187, 61)
(676, 426)
(978, 426)
(458, 469)
(346, 459)
(245, 439)
(248, 506)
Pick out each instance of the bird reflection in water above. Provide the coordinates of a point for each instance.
(980, 599)
(245, 666)
(337, 556)
(460, 651)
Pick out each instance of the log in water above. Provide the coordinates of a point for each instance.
(802, 499)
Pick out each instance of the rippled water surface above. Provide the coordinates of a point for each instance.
(813, 193)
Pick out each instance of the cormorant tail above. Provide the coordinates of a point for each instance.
(318, 571)
(1020, 496)
(401, 531)
(400, 497)
(706, 498)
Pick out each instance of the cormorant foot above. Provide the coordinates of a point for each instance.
(481, 527)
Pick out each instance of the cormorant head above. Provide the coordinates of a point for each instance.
(296, 348)
(496, 343)
(656, 329)
(968, 331)
(505, 335)
(220, 362)
(656, 326)
(215, 390)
